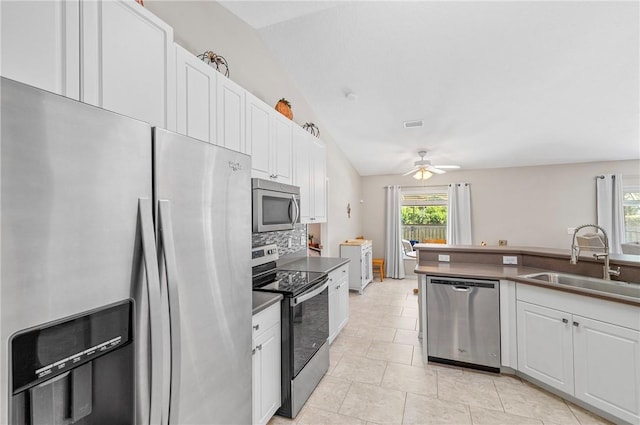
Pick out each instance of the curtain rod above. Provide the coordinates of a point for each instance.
(633, 176)
(420, 187)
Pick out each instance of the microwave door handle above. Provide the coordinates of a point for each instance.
(155, 317)
(295, 204)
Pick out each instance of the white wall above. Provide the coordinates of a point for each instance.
(527, 206)
(204, 25)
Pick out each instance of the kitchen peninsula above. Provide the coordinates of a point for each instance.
(577, 342)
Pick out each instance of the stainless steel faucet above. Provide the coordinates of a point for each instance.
(575, 252)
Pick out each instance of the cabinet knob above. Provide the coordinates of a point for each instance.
(576, 324)
(256, 327)
(565, 321)
(259, 347)
(253, 351)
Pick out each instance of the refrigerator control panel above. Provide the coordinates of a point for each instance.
(40, 353)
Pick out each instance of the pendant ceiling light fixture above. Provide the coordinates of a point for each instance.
(422, 174)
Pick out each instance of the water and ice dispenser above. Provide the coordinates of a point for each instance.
(78, 370)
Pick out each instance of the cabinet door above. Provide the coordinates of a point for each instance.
(319, 181)
(302, 171)
(545, 348)
(283, 147)
(256, 382)
(258, 135)
(268, 347)
(607, 367)
(231, 125)
(334, 309)
(195, 96)
(343, 299)
(40, 44)
(128, 63)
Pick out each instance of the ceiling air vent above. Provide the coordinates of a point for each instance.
(413, 124)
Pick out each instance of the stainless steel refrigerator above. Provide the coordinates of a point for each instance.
(99, 210)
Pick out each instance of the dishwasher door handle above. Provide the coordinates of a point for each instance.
(461, 288)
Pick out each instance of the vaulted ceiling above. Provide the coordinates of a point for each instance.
(496, 84)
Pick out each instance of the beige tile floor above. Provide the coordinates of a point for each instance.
(376, 376)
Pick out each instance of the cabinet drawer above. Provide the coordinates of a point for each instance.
(265, 319)
(338, 274)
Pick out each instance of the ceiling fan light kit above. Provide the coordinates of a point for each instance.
(422, 174)
(424, 170)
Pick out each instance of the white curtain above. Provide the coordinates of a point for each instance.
(392, 231)
(459, 214)
(610, 210)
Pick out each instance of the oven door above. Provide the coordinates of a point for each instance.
(274, 210)
(309, 324)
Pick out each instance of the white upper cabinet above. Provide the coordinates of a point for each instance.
(231, 115)
(196, 102)
(258, 127)
(127, 61)
(270, 141)
(310, 174)
(282, 145)
(319, 181)
(40, 44)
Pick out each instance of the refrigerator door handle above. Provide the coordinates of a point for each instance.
(155, 316)
(169, 253)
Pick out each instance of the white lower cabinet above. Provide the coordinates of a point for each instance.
(607, 367)
(361, 269)
(338, 300)
(266, 364)
(545, 350)
(585, 347)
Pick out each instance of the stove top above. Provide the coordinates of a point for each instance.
(286, 282)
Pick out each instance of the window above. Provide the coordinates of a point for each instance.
(631, 206)
(424, 215)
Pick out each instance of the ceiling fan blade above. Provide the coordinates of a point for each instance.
(447, 167)
(434, 170)
(411, 171)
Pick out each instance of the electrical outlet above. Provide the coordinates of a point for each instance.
(509, 259)
(570, 230)
(443, 257)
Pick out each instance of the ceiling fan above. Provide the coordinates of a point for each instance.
(424, 170)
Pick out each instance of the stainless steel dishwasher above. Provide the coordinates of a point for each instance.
(463, 322)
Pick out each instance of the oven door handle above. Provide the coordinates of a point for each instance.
(324, 284)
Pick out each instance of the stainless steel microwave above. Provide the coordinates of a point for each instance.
(276, 206)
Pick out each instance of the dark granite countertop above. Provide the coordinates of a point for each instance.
(314, 264)
(262, 300)
(514, 273)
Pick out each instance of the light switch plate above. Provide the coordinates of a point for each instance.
(443, 257)
(509, 259)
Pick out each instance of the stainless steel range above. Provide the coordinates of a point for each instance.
(305, 325)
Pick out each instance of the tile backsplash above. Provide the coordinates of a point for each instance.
(298, 237)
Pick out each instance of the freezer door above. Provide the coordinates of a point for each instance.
(203, 201)
(71, 176)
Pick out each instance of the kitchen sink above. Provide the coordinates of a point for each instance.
(590, 283)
